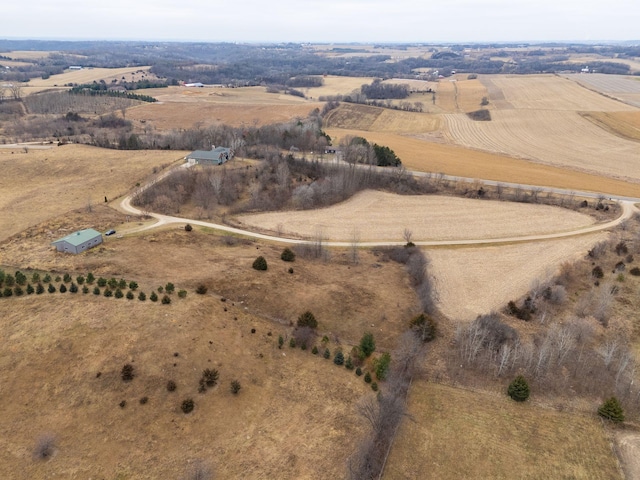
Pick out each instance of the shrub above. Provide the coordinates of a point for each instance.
(90, 278)
(292, 342)
(9, 280)
(96, 290)
(39, 289)
(182, 293)
(73, 288)
(635, 271)
(518, 389)
(187, 405)
(326, 354)
(188, 228)
(612, 410)
(85, 289)
(118, 293)
(288, 255)
(129, 295)
(17, 291)
(45, 447)
(169, 287)
(122, 284)
(160, 289)
(290, 270)
(46, 278)
(133, 285)
(339, 358)
(358, 371)
(171, 386)
(621, 248)
(374, 386)
(102, 282)
(142, 296)
(235, 387)
(63, 288)
(30, 289)
(367, 345)
(127, 373)
(113, 283)
(597, 272)
(51, 288)
(21, 278)
(153, 297)
(381, 366)
(314, 350)
(260, 263)
(210, 376)
(424, 326)
(66, 278)
(349, 364)
(80, 279)
(108, 292)
(7, 292)
(367, 377)
(35, 278)
(166, 300)
(123, 404)
(58, 278)
(201, 290)
(307, 319)
(280, 341)
(144, 400)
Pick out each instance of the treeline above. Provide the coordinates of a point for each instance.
(378, 90)
(359, 150)
(87, 90)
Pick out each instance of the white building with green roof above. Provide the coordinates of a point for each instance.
(78, 242)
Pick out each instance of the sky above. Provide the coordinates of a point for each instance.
(326, 21)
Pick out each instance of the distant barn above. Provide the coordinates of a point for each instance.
(78, 242)
(216, 156)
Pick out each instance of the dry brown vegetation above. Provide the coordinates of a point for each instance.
(380, 216)
(459, 433)
(624, 124)
(82, 174)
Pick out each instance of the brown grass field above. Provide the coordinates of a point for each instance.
(381, 216)
(365, 117)
(42, 184)
(421, 155)
(461, 434)
(27, 54)
(457, 270)
(334, 85)
(455, 95)
(623, 124)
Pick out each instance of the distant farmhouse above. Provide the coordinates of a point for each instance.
(78, 242)
(215, 156)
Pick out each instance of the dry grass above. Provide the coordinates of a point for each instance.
(460, 434)
(455, 95)
(421, 155)
(488, 277)
(364, 117)
(53, 384)
(27, 54)
(41, 184)
(380, 216)
(345, 298)
(337, 86)
(623, 124)
(89, 75)
(170, 115)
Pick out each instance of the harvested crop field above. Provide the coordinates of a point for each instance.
(461, 434)
(169, 115)
(82, 174)
(381, 216)
(426, 156)
(621, 87)
(334, 85)
(550, 92)
(365, 117)
(554, 137)
(476, 280)
(222, 95)
(456, 96)
(623, 124)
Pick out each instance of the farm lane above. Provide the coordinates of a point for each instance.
(628, 209)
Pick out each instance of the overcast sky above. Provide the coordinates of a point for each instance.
(324, 20)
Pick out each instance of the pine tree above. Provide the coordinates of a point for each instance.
(30, 289)
(367, 345)
(39, 289)
(260, 263)
(518, 389)
(612, 410)
(51, 288)
(339, 358)
(63, 288)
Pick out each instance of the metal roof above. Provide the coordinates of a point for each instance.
(79, 237)
(210, 154)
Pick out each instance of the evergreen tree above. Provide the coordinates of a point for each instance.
(96, 290)
(90, 278)
(129, 295)
(30, 289)
(367, 345)
(153, 297)
(73, 288)
(260, 263)
(612, 410)
(39, 289)
(51, 288)
(63, 288)
(66, 278)
(142, 297)
(326, 354)
(119, 293)
(518, 390)
(288, 255)
(339, 358)
(307, 319)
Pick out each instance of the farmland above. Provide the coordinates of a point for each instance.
(297, 414)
